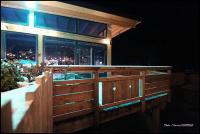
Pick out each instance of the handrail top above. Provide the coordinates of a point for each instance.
(109, 66)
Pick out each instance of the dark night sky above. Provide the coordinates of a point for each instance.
(168, 34)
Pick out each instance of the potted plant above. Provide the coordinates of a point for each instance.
(10, 75)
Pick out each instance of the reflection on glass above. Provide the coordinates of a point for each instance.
(13, 15)
(92, 28)
(21, 47)
(56, 22)
(84, 53)
(99, 55)
(59, 51)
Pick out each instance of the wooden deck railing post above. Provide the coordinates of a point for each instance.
(6, 118)
(33, 96)
(50, 102)
(40, 80)
(46, 99)
(96, 98)
(170, 92)
(156, 119)
(142, 90)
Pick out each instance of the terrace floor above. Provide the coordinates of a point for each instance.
(184, 109)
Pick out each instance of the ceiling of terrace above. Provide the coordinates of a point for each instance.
(117, 24)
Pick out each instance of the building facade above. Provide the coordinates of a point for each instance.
(58, 33)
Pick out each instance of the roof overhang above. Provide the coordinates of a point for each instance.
(117, 24)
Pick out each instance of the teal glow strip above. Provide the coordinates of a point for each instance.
(155, 96)
(140, 88)
(129, 103)
(100, 93)
(31, 19)
(121, 105)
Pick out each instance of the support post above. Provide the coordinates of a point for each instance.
(96, 98)
(34, 110)
(170, 92)
(50, 101)
(40, 49)
(46, 93)
(6, 118)
(156, 119)
(109, 47)
(142, 90)
(41, 80)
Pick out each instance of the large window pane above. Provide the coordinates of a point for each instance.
(91, 28)
(21, 47)
(99, 55)
(13, 15)
(55, 22)
(84, 53)
(59, 51)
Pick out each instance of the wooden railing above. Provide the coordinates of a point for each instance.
(80, 103)
(28, 109)
(103, 94)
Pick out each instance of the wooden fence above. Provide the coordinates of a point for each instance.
(28, 109)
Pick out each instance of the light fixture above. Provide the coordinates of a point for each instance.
(3, 27)
(30, 4)
(106, 41)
